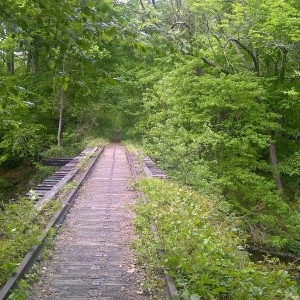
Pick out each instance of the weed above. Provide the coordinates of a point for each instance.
(145, 248)
(84, 162)
(34, 274)
(21, 226)
(49, 244)
(21, 292)
(96, 142)
(69, 186)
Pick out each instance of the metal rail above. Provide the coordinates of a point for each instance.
(151, 170)
(32, 256)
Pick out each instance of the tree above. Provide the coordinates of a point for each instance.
(221, 114)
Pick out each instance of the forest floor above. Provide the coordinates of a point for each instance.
(92, 258)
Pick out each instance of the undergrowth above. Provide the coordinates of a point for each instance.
(21, 225)
(203, 247)
(17, 219)
(74, 148)
(22, 291)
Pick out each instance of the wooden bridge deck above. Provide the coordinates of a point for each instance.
(92, 257)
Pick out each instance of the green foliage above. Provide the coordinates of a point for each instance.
(24, 144)
(4, 184)
(145, 248)
(213, 133)
(57, 58)
(21, 225)
(69, 186)
(21, 292)
(42, 172)
(203, 249)
(20, 228)
(95, 142)
(62, 152)
(73, 148)
(207, 85)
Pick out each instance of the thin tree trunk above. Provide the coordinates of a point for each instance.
(238, 51)
(256, 61)
(11, 62)
(297, 190)
(61, 112)
(35, 55)
(28, 61)
(61, 108)
(34, 64)
(284, 53)
(274, 162)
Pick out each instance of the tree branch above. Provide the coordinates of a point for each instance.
(186, 24)
(238, 51)
(210, 63)
(216, 65)
(254, 57)
(153, 3)
(178, 23)
(142, 4)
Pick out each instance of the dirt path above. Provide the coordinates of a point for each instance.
(92, 257)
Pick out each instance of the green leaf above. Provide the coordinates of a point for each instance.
(195, 297)
(65, 86)
(83, 44)
(40, 21)
(86, 10)
(24, 24)
(185, 295)
(219, 289)
(112, 81)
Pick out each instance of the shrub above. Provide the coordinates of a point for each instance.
(22, 145)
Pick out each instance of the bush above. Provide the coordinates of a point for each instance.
(22, 145)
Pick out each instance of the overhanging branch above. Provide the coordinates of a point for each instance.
(254, 58)
(216, 65)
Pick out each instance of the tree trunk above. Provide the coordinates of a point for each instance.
(274, 162)
(283, 59)
(34, 64)
(256, 61)
(142, 4)
(62, 105)
(61, 112)
(10, 62)
(28, 61)
(35, 54)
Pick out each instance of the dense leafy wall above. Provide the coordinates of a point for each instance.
(220, 106)
(211, 87)
(57, 60)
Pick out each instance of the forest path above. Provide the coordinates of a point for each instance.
(92, 257)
